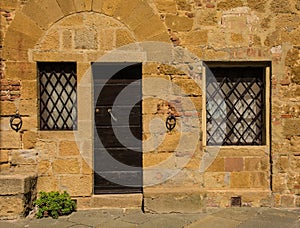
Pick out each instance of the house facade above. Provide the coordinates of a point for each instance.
(168, 105)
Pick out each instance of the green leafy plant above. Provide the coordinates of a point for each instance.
(54, 204)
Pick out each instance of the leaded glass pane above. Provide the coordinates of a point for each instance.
(58, 95)
(235, 106)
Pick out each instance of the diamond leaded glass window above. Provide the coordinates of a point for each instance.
(58, 96)
(235, 106)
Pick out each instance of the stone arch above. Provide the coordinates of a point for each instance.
(82, 36)
(36, 17)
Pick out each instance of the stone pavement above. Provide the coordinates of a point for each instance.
(118, 218)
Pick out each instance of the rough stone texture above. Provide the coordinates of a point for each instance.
(10, 140)
(216, 180)
(166, 6)
(227, 4)
(4, 156)
(259, 180)
(28, 107)
(188, 86)
(97, 6)
(14, 185)
(17, 193)
(66, 166)
(23, 157)
(151, 159)
(86, 167)
(287, 201)
(44, 168)
(234, 164)
(11, 206)
(85, 30)
(73, 185)
(29, 139)
(9, 4)
(217, 165)
(125, 9)
(66, 6)
(51, 41)
(47, 149)
(291, 60)
(68, 148)
(139, 14)
(149, 30)
(22, 25)
(20, 70)
(85, 39)
(72, 20)
(10, 108)
(46, 11)
(83, 5)
(83, 203)
(123, 37)
(117, 201)
(240, 180)
(199, 37)
(45, 183)
(109, 7)
(256, 164)
(259, 6)
(249, 198)
(54, 136)
(179, 23)
(165, 201)
(206, 17)
(31, 90)
(280, 7)
(291, 127)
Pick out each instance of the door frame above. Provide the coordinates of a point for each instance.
(111, 69)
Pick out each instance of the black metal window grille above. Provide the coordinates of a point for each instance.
(235, 106)
(58, 95)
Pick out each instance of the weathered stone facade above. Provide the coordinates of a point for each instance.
(213, 30)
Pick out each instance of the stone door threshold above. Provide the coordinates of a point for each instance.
(117, 201)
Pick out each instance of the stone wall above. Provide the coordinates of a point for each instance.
(17, 195)
(171, 159)
(85, 30)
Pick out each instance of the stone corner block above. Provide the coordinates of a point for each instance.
(16, 184)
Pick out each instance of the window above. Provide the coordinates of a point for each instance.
(236, 105)
(58, 97)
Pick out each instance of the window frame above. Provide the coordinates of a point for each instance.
(39, 65)
(266, 96)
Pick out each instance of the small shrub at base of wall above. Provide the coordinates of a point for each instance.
(54, 204)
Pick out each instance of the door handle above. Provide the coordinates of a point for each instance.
(112, 115)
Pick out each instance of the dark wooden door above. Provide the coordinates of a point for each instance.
(118, 128)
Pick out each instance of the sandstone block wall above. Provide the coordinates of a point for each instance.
(17, 195)
(223, 30)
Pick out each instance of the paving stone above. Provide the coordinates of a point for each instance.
(165, 221)
(215, 222)
(256, 223)
(272, 218)
(239, 214)
(48, 222)
(7, 224)
(229, 217)
(93, 218)
(80, 226)
(191, 218)
(117, 223)
(136, 218)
